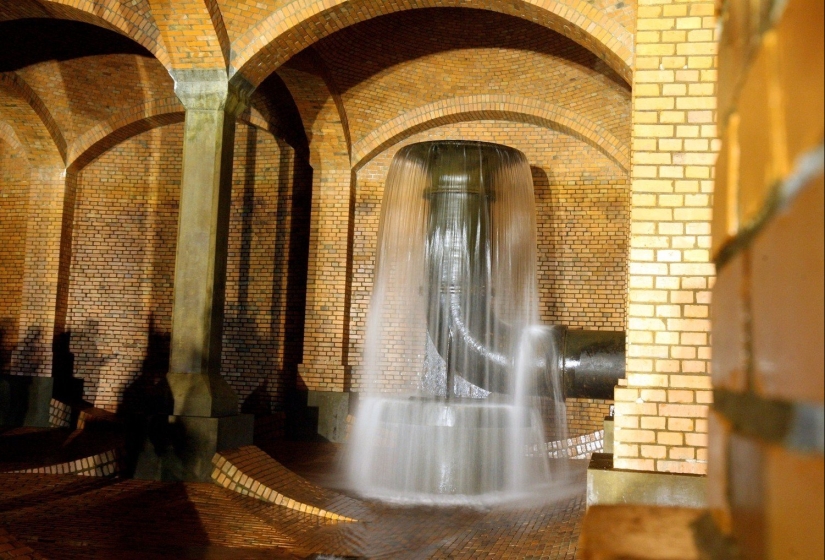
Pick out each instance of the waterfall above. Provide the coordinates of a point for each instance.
(454, 350)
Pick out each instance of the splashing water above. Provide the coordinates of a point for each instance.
(454, 352)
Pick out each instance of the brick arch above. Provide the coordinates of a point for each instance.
(297, 25)
(492, 107)
(19, 109)
(135, 21)
(121, 126)
(136, 120)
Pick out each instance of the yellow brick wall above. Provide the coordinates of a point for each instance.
(661, 412)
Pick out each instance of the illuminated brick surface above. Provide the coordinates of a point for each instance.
(661, 413)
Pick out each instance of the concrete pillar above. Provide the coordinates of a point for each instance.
(205, 417)
(203, 227)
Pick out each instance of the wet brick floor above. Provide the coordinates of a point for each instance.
(65, 516)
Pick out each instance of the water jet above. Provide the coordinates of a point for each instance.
(455, 357)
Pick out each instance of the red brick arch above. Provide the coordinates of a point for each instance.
(136, 120)
(134, 20)
(122, 126)
(297, 25)
(18, 87)
(489, 107)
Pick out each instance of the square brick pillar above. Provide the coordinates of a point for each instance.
(661, 415)
(31, 385)
(327, 315)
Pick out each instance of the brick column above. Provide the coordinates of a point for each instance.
(661, 413)
(33, 356)
(326, 328)
(323, 368)
(765, 481)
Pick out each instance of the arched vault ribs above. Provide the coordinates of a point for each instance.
(289, 30)
(479, 107)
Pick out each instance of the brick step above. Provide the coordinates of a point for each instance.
(62, 451)
(250, 471)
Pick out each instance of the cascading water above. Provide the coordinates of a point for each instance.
(454, 350)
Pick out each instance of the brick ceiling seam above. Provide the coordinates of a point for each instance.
(312, 57)
(189, 33)
(219, 26)
(297, 25)
(90, 90)
(256, 119)
(312, 93)
(492, 107)
(44, 139)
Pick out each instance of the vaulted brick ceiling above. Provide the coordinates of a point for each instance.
(391, 65)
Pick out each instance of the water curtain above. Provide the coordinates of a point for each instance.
(454, 351)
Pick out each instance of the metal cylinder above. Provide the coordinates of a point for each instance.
(458, 246)
(468, 335)
(592, 362)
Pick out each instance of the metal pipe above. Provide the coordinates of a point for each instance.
(592, 362)
(461, 196)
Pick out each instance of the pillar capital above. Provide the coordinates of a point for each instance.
(211, 90)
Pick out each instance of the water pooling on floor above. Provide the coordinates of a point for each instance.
(454, 352)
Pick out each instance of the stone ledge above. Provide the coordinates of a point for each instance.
(608, 486)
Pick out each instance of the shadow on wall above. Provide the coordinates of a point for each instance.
(149, 393)
(264, 357)
(30, 352)
(68, 387)
(8, 330)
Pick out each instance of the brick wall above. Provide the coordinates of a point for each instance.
(585, 416)
(402, 70)
(123, 257)
(386, 74)
(266, 269)
(582, 204)
(661, 414)
(766, 452)
(14, 194)
(322, 367)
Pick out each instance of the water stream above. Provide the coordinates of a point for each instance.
(454, 350)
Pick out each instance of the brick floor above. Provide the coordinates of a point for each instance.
(64, 516)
